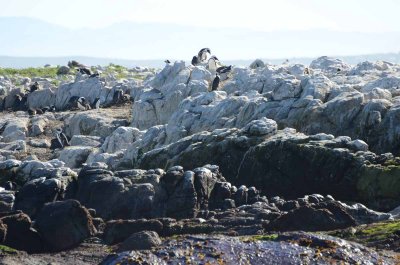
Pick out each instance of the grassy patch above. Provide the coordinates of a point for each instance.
(270, 237)
(119, 71)
(8, 250)
(30, 72)
(379, 231)
(372, 234)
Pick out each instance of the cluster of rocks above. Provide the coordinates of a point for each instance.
(55, 210)
(289, 248)
(269, 151)
(72, 85)
(359, 102)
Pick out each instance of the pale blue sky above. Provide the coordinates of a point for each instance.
(266, 15)
(177, 29)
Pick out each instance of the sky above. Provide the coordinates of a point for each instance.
(265, 15)
(177, 29)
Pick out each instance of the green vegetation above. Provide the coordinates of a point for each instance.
(379, 231)
(30, 72)
(381, 182)
(119, 71)
(7, 250)
(377, 234)
(269, 237)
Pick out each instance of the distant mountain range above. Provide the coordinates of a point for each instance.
(23, 62)
(31, 42)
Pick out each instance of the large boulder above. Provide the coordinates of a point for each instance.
(119, 230)
(112, 197)
(319, 217)
(35, 193)
(92, 123)
(85, 140)
(310, 164)
(90, 89)
(120, 139)
(64, 224)
(155, 104)
(20, 234)
(16, 129)
(257, 63)
(41, 98)
(263, 126)
(330, 65)
(318, 86)
(183, 199)
(75, 156)
(38, 125)
(63, 70)
(141, 241)
(32, 169)
(204, 181)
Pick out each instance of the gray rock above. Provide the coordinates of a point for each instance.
(41, 98)
(30, 169)
(92, 123)
(89, 88)
(121, 139)
(286, 249)
(35, 193)
(38, 125)
(363, 215)
(40, 143)
(358, 145)
(63, 70)
(17, 129)
(395, 212)
(263, 126)
(182, 203)
(329, 65)
(257, 63)
(141, 241)
(113, 161)
(85, 140)
(14, 146)
(204, 181)
(74, 156)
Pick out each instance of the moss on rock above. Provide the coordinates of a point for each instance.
(379, 186)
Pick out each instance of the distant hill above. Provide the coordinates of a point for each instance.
(151, 43)
(23, 62)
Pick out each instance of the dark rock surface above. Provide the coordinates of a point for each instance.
(20, 233)
(64, 224)
(273, 149)
(289, 164)
(140, 241)
(292, 248)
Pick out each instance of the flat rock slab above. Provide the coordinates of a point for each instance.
(292, 248)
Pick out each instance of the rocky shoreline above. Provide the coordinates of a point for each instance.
(181, 174)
